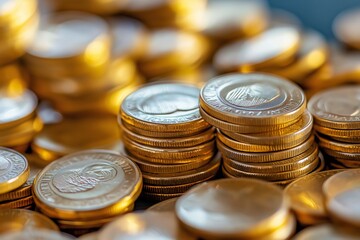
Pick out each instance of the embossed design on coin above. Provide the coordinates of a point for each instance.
(340, 106)
(4, 164)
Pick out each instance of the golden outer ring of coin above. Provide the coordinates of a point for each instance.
(290, 164)
(246, 147)
(338, 146)
(167, 153)
(341, 155)
(20, 179)
(159, 197)
(169, 168)
(337, 132)
(168, 205)
(180, 142)
(159, 134)
(172, 189)
(349, 163)
(275, 176)
(347, 139)
(16, 194)
(195, 175)
(264, 157)
(213, 105)
(278, 137)
(223, 125)
(19, 203)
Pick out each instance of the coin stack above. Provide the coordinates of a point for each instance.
(82, 73)
(165, 135)
(87, 189)
(264, 130)
(337, 123)
(18, 23)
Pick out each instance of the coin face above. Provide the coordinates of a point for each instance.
(88, 180)
(234, 208)
(36, 235)
(145, 225)
(14, 170)
(261, 98)
(165, 103)
(327, 231)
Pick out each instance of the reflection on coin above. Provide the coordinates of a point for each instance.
(87, 183)
(20, 220)
(252, 99)
(283, 232)
(36, 235)
(164, 206)
(145, 225)
(235, 208)
(14, 170)
(328, 232)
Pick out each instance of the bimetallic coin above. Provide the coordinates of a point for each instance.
(20, 220)
(164, 206)
(14, 170)
(252, 99)
(151, 225)
(328, 232)
(87, 183)
(235, 208)
(36, 234)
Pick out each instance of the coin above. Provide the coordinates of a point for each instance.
(164, 107)
(20, 220)
(306, 196)
(341, 192)
(236, 208)
(345, 24)
(340, 133)
(36, 235)
(338, 146)
(342, 155)
(156, 225)
(89, 236)
(19, 203)
(336, 108)
(283, 232)
(272, 48)
(164, 206)
(327, 231)
(252, 99)
(84, 184)
(160, 196)
(14, 170)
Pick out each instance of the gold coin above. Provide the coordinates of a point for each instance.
(19, 203)
(286, 165)
(338, 146)
(167, 107)
(286, 230)
(336, 108)
(293, 134)
(76, 133)
(160, 196)
(164, 206)
(89, 236)
(36, 234)
(236, 208)
(93, 6)
(168, 153)
(327, 231)
(342, 155)
(156, 225)
(347, 139)
(86, 184)
(341, 194)
(348, 163)
(14, 170)
(88, 224)
(179, 142)
(345, 25)
(253, 99)
(306, 196)
(340, 133)
(20, 219)
(204, 172)
(265, 157)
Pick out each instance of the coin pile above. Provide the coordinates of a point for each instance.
(82, 73)
(85, 190)
(236, 209)
(337, 123)
(264, 130)
(165, 135)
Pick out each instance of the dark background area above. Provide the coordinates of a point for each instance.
(317, 14)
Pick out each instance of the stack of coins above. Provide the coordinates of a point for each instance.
(15, 180)
(264, 130)
(19, 20)
(76, 133)
(236, 209)
(165, 135)
(85, 190)
(337, 123)
(328, 231)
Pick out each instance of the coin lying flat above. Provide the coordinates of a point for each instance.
(252, 99)
(164, 206)
(36, 235)
(84, 184)
(235, 208)
(339, 146)
(328, 232)
(14, 170)
(150, 225)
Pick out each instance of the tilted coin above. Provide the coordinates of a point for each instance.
(342, 155)
(36, 234)
(336, 108)
(84, 184)
(341, 194)
(345, 27)
(340, 133)
(306, 196)
(168, 107)
(149, 224)
(327, 232)
(20, 220)
(14, 170)
(164, 206)
(235, 208)
(339, 146)
(252, 99)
